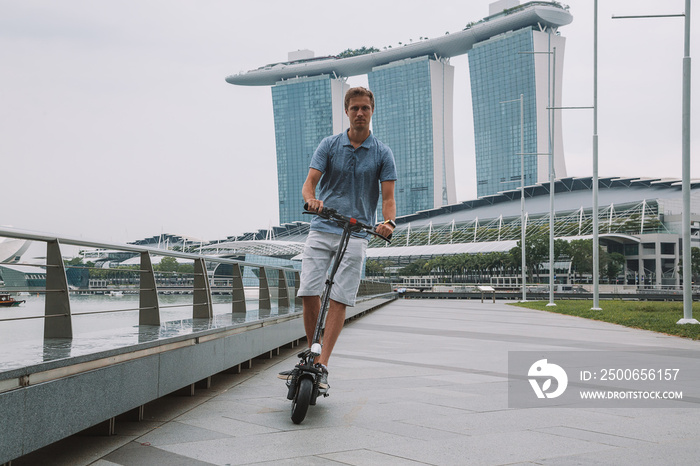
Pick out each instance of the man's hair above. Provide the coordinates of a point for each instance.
(359, 92)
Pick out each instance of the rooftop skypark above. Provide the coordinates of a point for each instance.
(535, 14)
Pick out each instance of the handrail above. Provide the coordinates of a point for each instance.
(43, 237)
(200, 283)
(57, 292)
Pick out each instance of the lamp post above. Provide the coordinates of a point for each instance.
(551, 180)
(522, 202)
(522, 194)
(687, 270)
(550, 106)
(596, 247)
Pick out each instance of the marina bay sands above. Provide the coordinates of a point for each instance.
(516, 50)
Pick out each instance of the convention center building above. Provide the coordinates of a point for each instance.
(639, 218)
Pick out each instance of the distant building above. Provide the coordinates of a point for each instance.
(413, 99)
(306, 111)
(164, 241)
(413, 89)
(501, 69)
(637, 217)
(32, 278)
(11, 250)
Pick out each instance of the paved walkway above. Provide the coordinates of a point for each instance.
(415, 382)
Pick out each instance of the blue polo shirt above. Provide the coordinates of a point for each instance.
(351, 177)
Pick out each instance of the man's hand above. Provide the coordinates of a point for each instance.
(384, 229)
(314, 205)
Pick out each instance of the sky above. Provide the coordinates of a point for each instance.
(116, 122)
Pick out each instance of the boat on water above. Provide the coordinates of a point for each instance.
(8, 301)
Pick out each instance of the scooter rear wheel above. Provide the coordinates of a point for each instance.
(300, 405)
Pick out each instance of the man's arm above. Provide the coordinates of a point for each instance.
(308, 191)
(388, 208)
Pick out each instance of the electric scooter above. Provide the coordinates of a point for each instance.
(303, 382)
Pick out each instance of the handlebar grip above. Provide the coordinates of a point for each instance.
(325, 211)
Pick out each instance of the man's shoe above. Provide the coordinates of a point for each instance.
(323, 385)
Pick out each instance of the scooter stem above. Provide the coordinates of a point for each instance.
(325, 301)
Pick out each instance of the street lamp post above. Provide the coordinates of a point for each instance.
(685, 234)
(596, 247)
(551, 98)
(551, 180)
(687, 270)
(522, 201)
(522, 194)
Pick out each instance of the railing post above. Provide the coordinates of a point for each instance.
(283, 292)
(297, 299)
(201, 308)
(239, 306)
(149, 311)
(362, 290)
(57, 299)
(264, 293)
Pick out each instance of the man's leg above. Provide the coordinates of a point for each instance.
(311, 306)
(318, 253)
(335, 319)
(347, 281)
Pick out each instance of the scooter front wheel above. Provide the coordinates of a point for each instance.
(301, 402)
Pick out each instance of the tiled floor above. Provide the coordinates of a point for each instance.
(415, 382)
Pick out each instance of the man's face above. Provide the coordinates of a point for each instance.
(359, 112)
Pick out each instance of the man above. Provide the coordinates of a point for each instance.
(348, 168)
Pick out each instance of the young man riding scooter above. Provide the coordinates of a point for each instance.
(349, 169)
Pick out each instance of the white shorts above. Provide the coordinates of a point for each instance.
(319, 251)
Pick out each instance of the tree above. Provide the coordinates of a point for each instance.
(562, 249)
(614, 264)
(167, 264)
(452, 265)
(415, 268)
(581, 254)
(74, 261)
(536, 251)
(355, 52)
(373, 268)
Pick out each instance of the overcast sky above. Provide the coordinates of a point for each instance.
(116, 122)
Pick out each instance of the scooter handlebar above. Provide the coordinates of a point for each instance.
(332, 214)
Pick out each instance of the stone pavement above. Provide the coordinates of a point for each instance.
(414, 382)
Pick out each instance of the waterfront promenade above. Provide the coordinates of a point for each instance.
(414, 382)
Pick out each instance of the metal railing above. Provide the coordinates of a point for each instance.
(57, 310)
